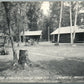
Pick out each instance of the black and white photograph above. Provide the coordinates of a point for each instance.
(42, 41)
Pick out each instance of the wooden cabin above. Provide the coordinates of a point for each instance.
(65, 33)
(35, 35)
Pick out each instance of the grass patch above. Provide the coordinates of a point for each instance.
(5, 65)
(65, 67)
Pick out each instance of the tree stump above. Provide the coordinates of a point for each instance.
(23, 58)
(56, 44)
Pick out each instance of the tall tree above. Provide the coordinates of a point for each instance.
(65, 15)
(60, 23)
(47, 28)
(75, 22)
(55, 13)
(71, 24)
(7, 8)
(33, 15)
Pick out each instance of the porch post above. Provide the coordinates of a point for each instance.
(53, 37)
(40, 37)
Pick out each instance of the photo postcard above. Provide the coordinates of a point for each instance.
(41, 41)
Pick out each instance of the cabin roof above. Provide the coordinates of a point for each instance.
(64, 30)
(32, 33)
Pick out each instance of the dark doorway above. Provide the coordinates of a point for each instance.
(79, 38)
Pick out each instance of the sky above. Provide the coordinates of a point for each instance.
(45, 7)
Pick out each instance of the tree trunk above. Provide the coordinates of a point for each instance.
(48, 34)
(59, 23)
(71, 25)
(17, 24)
(19, 37)
(7, 11)
(75, 20)
(23, 35)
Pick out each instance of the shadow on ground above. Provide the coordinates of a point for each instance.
(66, 67)
(5, 65)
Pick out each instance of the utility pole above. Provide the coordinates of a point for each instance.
(60, 23)
(71, 24)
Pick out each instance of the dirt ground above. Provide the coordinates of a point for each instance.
(50, 63)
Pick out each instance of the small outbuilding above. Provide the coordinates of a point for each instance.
(35, 35)
(65, 34)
